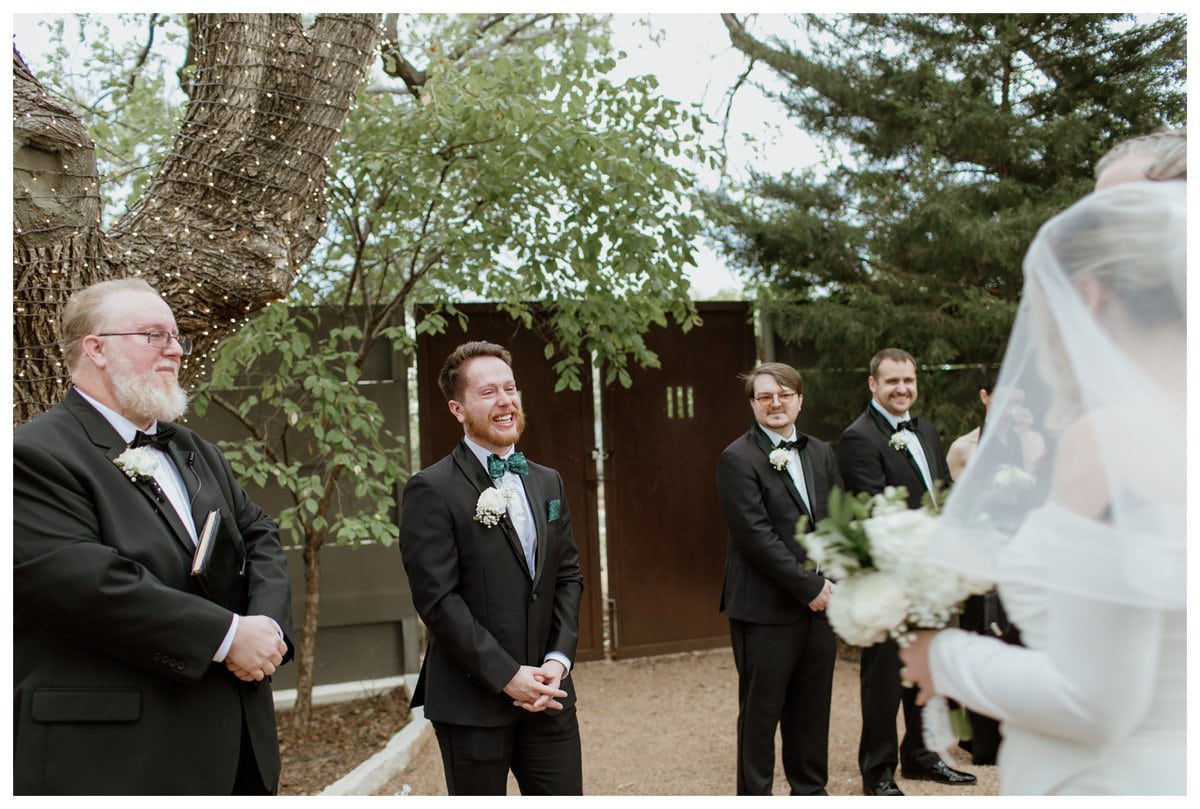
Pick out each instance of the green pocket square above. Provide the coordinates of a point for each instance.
(553, 510)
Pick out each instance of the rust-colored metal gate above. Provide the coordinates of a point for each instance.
(665, 547)
(560, 434)
(666, 536)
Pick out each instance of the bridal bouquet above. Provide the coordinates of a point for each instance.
(874, 548)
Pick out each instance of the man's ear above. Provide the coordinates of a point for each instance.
(871, 382)
(93, 348)
(456, 410)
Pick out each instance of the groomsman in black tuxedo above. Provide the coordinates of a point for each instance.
(887, 446)
(491, 561)
(127, 678)
(783, 646)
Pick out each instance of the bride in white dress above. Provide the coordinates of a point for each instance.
(1089, 557)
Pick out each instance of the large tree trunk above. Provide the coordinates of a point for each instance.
(233, 212)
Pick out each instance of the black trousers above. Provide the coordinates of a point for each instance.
(248, 780)
(984, 615)
(785, 681)
(541, 749)
(880, 696)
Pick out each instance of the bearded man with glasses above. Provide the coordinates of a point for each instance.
(783, 646)
(132, 676)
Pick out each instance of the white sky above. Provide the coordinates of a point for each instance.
(694, 63)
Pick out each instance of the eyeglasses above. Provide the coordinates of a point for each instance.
(156, 338)
(784, 397)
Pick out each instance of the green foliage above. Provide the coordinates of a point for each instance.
(518, 172)
(316, 435)
(953, 137)
(528, 179)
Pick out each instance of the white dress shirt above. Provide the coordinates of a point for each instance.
(794, 467)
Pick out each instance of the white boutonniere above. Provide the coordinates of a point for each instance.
(779, 458)
(491, 506)
(897, 442)
(138, 464)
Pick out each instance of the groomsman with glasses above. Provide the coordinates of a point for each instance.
(783, 646)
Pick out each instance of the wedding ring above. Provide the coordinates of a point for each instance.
(904, 681)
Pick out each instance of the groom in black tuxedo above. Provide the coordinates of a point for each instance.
(127, 679)
(491, 561)
(886, 446)
(783, 646)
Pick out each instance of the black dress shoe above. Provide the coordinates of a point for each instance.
(887, 787)
(941, 773)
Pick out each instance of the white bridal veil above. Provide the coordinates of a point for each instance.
(1096, 365)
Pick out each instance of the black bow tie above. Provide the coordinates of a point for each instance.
(800, 443)
(909, 424)
(514, 463)
(160, 440)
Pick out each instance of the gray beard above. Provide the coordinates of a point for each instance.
(142, 397)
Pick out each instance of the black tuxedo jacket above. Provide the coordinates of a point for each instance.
(765, 578)
(114, 686)
(471, 586)
(869, 463)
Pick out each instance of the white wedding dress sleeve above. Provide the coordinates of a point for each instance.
(1092, 703)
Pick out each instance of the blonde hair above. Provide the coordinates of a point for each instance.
(1167, 147)
(85, 311)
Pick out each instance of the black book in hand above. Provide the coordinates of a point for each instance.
(219, 564)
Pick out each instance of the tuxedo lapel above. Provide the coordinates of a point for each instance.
(537, 502)
(764, 444)
(806, 466)
(927, 444)
(102, 434)
(163, 506)
(477, 476)
(888, 431)
(202, 494)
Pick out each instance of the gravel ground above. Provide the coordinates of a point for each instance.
(667, 726)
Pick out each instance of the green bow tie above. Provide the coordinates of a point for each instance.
(514, 463)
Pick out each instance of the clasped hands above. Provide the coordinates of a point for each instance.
(821, 602)
(257, 650)
(537, 688)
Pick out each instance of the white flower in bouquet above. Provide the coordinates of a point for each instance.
(1012, 477)
(138, 464)
(898, 539)
(864, 609)
(893, 500)
(491, 505)
(779, 458)
(827, 558)
(898, 442)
